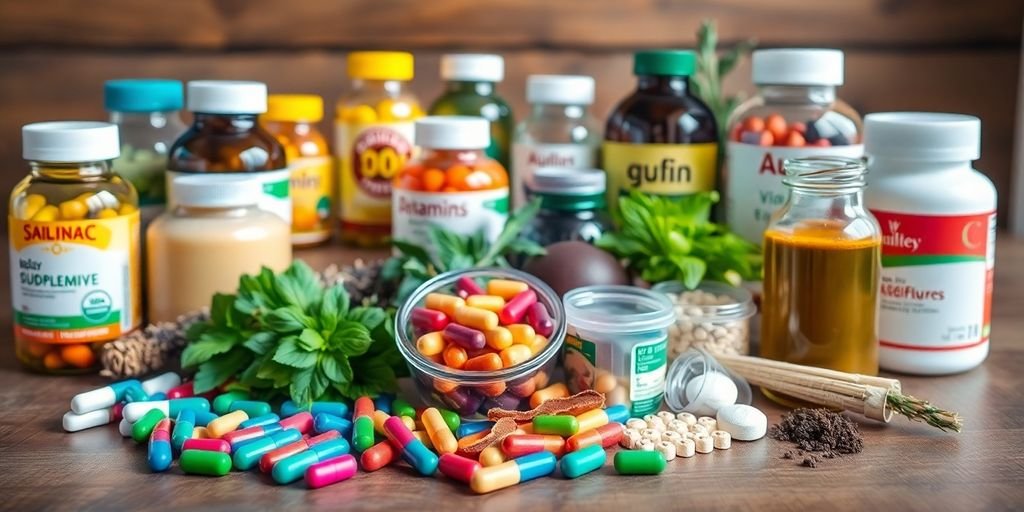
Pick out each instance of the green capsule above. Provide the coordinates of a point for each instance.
(400, 407)
(144, 427)
(639, 462)
(202, 462)
(581, 462)
(222, 404)
(251, 407)
(559, 425)
(451, 418)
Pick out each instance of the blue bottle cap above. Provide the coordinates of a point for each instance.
(143, 95)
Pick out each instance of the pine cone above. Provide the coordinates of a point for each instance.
(147, 350)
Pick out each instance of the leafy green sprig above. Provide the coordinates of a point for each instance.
(712, 69)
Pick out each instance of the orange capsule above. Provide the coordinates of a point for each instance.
(444, 303)
(79, 356)
(506, 288)
(606, 435)
(488, 302)
(408, 182)
(516, 354)
(753, 124)
(430, 344)
(456, 176)
(472, 438)
(492, 390)
(539, 342)
(483, 363)
(445, 386)
(557, 390)
(455, 356)
(776, 124)
(433, 180)
(479, 319)
(377, 456)
(499, 338)
(53, 361)
(518, 445)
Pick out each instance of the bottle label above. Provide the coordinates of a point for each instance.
(586, 362)
(936, 290)
(312, 183)
(528, 157)
(662, 169)
(276, 196)
(75, 281)
(369, 158)
(753, 183)
(461, 213)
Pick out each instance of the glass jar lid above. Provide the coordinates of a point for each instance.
(617, 309)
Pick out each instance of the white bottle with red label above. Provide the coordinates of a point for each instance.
(794, 115)
(938, 218)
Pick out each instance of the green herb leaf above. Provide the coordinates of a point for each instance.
(218, 370)
(516, 222)
(411, 250)
(300, 388)
(261, 342)
(332, 368)
(369, 317)
(351, 337)
(333, 307)
(310, 340)
(291, 354)
(220, 309)
(288, 319)
(209, 344)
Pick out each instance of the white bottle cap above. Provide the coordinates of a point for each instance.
(70, 141)
(226, 97)
(798, 66)
(453, 132)
(217, 190)
(472, 67)
(922, 136)
(560, 89)
(567, 181)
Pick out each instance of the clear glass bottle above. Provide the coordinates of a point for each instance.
(74, 236)
(572, 205)
(373, 132)
(795, 114)
(822, 262)
(558, 132)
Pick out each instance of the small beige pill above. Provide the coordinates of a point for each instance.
(645, 445)
(678, 426)
(667, 450)
(636, 423)
(685, 448)
(708, 422)
(630, 438)
(666, 416)
(722, 439)
(649, 417)
(657, 424)
(704, 443)
(671, 436)
(650, 433)
(699, 429)
(687, 418)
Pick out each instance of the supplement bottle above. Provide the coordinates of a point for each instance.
(74, 235)
(661, 139)
(470, 82)
(938, 218)
(558, 132)
(225, 137)
(795, 114)
(373, 132)
(147, 115)
(452, 185)
(293, 118)
(822, 259)
(214, 234)
(572, 205)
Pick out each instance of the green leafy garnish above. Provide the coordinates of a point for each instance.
(711, 72)
(416, 264)
(672, 238)
(286, 336)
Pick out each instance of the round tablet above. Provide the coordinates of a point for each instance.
(709, 392)
(742, 422)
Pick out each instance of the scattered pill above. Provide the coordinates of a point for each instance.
(330, 471)
(515, 471)
(160, 455)
(639, 462)
(457, 467)
(209, 463)
(292, 468)
(102, 398)
(742, 422)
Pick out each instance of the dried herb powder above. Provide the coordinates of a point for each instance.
(818, 430)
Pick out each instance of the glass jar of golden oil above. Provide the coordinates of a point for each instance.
(822, 262)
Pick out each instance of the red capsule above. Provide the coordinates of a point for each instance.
(466, 286)
(116, 412)
(516, 308)
(182, 391)
(517, 445)
(303, 422)
(428, 320)
(207, 445)
(268, 459)
(539, 318)
(465, 337)
(378, 456)
(606, 435)
(457, 467)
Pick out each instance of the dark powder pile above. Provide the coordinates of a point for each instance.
(827, 433)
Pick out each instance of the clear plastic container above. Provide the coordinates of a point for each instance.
(572, 205)
(473, 393)
(795, 114)
(700, 385)
(617, 344)
(714, 316)
(559, 131)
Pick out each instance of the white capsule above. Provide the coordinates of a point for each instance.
(686, 448)
(74, 422)
(109, 200)
(136, 410)
(161, 383)
(101, 398)
(125, 428)
(667, 450)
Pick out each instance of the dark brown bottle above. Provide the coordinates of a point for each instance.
(661, 139)
(225, 137)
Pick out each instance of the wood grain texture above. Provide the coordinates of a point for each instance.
(904, 466)
(505, 24)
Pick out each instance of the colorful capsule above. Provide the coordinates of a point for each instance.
(222, 402)
(597, 417)
(639, 462)
(184, 424)
(562, 425)
(160, 455)
(515, 309)
(125, 428)
(181, 391)
(382, 402)
(447, 304)
(402, 408)
(226, 423)
(292, 468)
(499, 338)
(161, 383)
(74, 422)
(428, 320)
(325, 422)
(135, 410)
(441, 436)
(259, 421)
(517, 445)
(465, 337)
(246, 457)
(484, 362)
(507, 474)
(489, 302)
(557, 390)
(472, 427)
(476, 318)
(362, 424)
(538, 317)
(252, 408)
(102, 398)
(492, 456)
(378, 456)
(579, 463)
(268, 460)
(289, 408)
(465, 286)
(330, 471)
(605, 436)
(158, 396)
(300, 422)
(506, 288)
(514, 355)
(203, 418)
(451, 418)
(457, 467)
(209, 445)
(201, 462)
(142, 429)
(136, 394)
(411, 449)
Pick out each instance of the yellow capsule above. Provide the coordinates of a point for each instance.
(495, 477)
(506, 288)
(200, 433)
(379, 417)
(31, 205)
(539, 342)
(499, 338)
(226, 423)
(516, 354)
(408, 422)
(430, 344)
(522, 334)
(491, 456)
(107, 213)
(440, 435)
(488, 302)
(592, 419)
(47, 213)
(424, 438)
(73, 210)
(126, 208)
(444, 303)
(361, 114)
(479, 319)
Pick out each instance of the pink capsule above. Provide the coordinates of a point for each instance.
(428, 320)
(303, 422)
(466, 286)
(207, 445)
(516, 308)
(116, 412)
(397, 433)
(330, 471)
(182, 391)
(465, 337)
(457, 467)
(538, 318)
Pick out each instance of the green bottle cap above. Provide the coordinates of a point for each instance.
(664, 62)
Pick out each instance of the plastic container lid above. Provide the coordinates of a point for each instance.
(472, 67)
(227, 97)
(922, 136)
(566, 181)
(617, 309)
(294, 108)
(143, 95)
(702, 398)
(798, 66)
(664, 62)
(70, 141)
(453, 132)
(216, 191)
(380, 65)
(560, 89)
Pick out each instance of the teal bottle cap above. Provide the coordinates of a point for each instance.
(143, 95)
(664, 62)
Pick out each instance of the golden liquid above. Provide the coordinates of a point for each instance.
(820, 301)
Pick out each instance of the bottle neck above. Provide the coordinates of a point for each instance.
(450, 155)
(154, 119)
(570, 203)
(664, 85)
(466, 87)
(74, 171)
(229, 123)
(213, 211)
(889, 165)
(390, 87)
(798, 94)
(559, 110)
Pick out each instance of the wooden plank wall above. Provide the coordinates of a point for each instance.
(937, 55)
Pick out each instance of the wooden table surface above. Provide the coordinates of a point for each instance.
(904, 466)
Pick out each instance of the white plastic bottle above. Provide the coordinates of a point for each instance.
(938, 217)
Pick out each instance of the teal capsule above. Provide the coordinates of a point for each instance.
(362, 433)
(292, 468)
(203, 418)
(248, 455)
(260, 421)
(400, 407)
(251, 407)
(639, 462)
(451, 418)
(136, 394)
(417, 455)
(340, 409)
(184, 424)
(144, 427)
(560, 425)
(472, 427)
(581, 462)
(222, 403)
